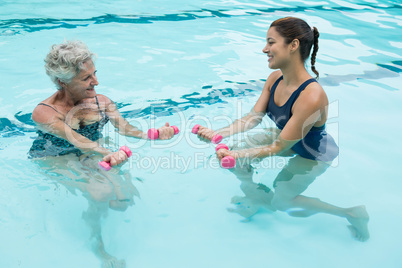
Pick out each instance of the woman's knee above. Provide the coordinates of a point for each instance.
(281, 203)
(243, 172)
(120, 205)
(100, 192)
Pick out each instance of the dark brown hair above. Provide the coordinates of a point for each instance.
(292, 28)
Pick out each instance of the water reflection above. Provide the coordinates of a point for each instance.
(166, 107)
(103, 190)
(286, 194)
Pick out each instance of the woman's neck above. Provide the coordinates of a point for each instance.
(294, 73)
(65, 99)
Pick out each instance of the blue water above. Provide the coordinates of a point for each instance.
(185, 62)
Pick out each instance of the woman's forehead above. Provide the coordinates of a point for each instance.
(88, 66)
(272, 33)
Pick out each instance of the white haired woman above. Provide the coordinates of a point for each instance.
(70, 120)
(67, 148)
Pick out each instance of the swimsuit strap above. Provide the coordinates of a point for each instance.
(296, 94)
(97, 102)
(44, 104)
(275, 85)
(100, 111)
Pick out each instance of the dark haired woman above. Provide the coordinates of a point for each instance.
(298, 106)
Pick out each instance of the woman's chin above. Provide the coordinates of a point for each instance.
(272, 66)
(91, 93)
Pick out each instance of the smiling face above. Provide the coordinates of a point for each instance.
(277, 50)
(82, 86)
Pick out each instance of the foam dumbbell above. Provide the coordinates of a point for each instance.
(106, 165)
(153, 133)
(228, 161)
(215, 139)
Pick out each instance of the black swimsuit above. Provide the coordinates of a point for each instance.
(49, 145)
(317, 144)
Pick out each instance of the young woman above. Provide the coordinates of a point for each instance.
(298, 106)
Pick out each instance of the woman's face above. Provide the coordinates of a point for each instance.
(83, 85)
(277, 50)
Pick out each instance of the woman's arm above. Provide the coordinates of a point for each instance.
(277, 147)
(309, 108)
(249, 121)
(125, 128)
(50, 121)
(121, 124)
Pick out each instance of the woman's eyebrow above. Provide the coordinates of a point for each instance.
(88, 75)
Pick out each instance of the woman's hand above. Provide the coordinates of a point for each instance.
(166, 132)
(205, 134)
(116, 158)
(221, 153)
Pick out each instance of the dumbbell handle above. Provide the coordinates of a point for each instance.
(153, 133)
(106, 165)
(215, 139)
(228, 161)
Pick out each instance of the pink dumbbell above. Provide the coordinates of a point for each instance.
(153, 133)
(106, 165)
(228, 161)
(215, 139)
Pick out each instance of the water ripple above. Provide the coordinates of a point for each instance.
(166, 107)
(15, 26)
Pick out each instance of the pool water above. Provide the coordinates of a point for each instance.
(188, 62)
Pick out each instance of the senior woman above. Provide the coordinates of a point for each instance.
(70, 120)
(68, 145)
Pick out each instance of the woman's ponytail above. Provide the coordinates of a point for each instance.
(315, 49)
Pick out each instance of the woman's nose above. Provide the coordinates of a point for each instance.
(265, 49)
(95, 81)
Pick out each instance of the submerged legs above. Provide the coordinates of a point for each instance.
(294, 179)
(103, 190)
(92, 218)
(257, 196)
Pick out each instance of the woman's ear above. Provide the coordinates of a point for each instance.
(62, 84)
(294, 45)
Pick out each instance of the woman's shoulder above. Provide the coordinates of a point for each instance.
(103, 99)
(274, 76)
(315, 89)
(46, 110)
(314, 95)
(44, 113)
(272, 79)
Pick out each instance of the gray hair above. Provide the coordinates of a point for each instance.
(66, 60)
